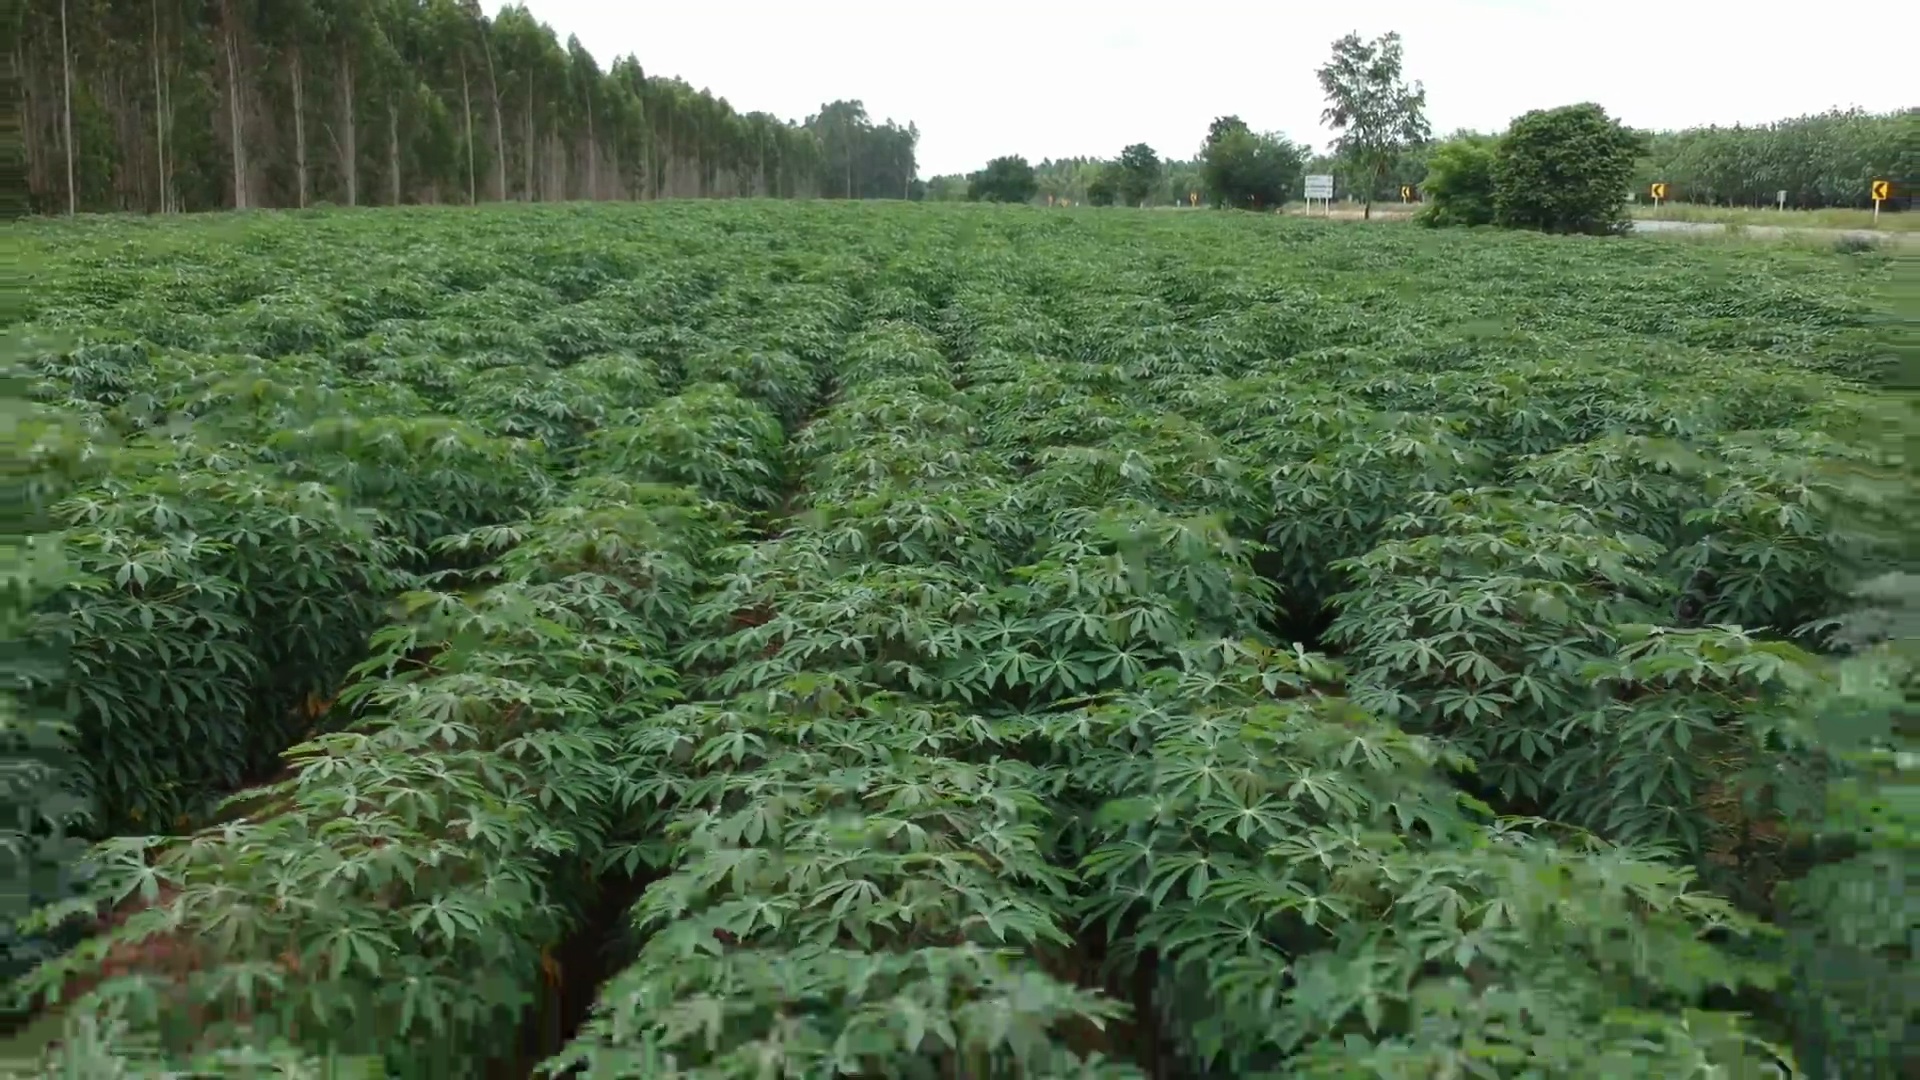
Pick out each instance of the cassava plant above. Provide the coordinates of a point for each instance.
(714, 642)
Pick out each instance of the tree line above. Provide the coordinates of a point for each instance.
(178, 105)
(1824, 160)
(1235, 167)
(1136, 177)
(170, 105)
(1380, 117)
(1384, 146)
(1573, 169)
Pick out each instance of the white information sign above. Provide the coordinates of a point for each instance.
(1319, 187)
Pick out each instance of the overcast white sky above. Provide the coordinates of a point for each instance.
(990, 77)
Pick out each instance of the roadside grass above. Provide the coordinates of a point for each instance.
(1890, 221)
(1817, 241)
(1794, 229)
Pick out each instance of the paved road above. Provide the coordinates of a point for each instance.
(1775, 231)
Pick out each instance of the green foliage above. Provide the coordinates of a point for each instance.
(1105, 188)
(1078, 180)
(1850, 934)
(941, 641)
(45, 811)
(1826, 159)
(858, 159)
(1138, 173)
(1458, 189)
(209, 607)
(1005, 179)
(1565, 170)
(1379, 117)
(947, 189)
(355, 102)
(1248, 171)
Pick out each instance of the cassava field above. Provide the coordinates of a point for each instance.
(730, 641)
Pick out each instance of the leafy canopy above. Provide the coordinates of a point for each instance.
(1242, 169)
(1376, 112)
(1005, 179)
(1458, 189)
(1137, 173)
(1565, 170)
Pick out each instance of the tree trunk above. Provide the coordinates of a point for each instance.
(160, 115)
(66, 106)
(593, 159)
(31, 150)
(232, 49)
(499, 131)
(466, 104)
(649, 161)
(299, 128)
(527, 146)
(393, 149)
(130, 188)
(350, 143)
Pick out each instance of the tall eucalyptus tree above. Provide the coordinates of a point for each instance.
(164, 105)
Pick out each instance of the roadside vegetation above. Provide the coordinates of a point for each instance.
(1823, 161)
(1830, 219)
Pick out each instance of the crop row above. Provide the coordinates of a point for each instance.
(994, 647)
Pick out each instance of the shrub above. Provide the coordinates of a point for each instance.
(1005, 179)
(1459, 184)
(1105, 189)
(1565, 170)
(1248, 170)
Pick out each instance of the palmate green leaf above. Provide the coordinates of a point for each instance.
(990, 644)
(416, 802)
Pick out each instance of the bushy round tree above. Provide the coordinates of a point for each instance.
(1137, 173)
(1105, 188)
(1458, 189)
(1005, 179)
(1245, 170)
(1565, 170)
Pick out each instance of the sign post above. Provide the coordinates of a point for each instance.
(1781, 198)
(1659, 192)
(1880, 189)
(1320, 187)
